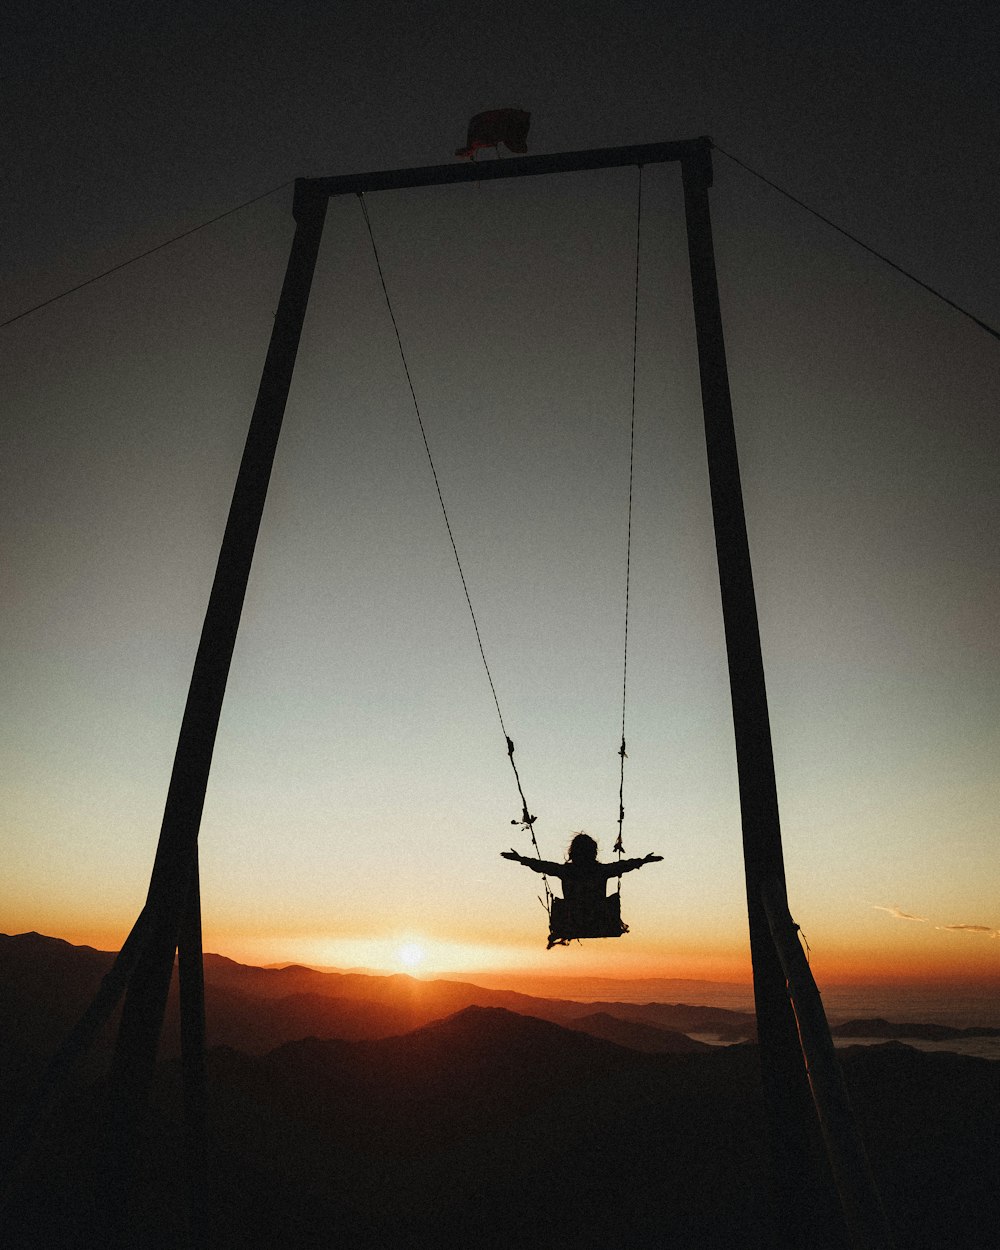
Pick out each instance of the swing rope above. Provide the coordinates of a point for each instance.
(527, 821)
(628, 541)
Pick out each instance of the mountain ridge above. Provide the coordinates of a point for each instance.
(256, 1008)
(490, 1128)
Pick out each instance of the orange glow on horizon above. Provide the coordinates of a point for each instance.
(876, 950)
(422, 955)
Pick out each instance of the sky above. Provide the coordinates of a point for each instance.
(360, 794)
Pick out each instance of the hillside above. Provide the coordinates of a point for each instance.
(376, 1111)
(49, 983)
(877, 1027)
(502, 1131)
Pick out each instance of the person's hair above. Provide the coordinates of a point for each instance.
(583, 847)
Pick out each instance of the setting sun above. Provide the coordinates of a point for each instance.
(410, 954)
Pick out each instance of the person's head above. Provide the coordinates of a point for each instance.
(582, 850)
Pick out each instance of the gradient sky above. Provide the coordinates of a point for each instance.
(361, 794)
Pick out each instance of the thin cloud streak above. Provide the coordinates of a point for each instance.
(898, 914)
(970, 928)
(901, 915)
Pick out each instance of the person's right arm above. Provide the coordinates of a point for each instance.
(536, 865)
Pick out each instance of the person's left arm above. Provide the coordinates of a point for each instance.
(630, 865)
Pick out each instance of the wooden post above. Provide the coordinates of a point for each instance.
(174, 876)
(791, 1120)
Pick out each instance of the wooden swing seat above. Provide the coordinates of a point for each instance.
(569, 921)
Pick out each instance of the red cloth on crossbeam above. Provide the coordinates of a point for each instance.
(490, 129)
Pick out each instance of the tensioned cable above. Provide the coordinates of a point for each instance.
(735, 159)
(628, 540)
(527, 821)
(148, 252)
(854, 239)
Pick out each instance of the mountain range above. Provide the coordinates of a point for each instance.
(385, 1111)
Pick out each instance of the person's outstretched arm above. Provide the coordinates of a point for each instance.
(629, 865)
(536, 865)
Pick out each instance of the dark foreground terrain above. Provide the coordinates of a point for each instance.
(487, 1128)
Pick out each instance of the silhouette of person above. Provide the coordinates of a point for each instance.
(583, 876)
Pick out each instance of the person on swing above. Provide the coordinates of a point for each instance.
(584, 879)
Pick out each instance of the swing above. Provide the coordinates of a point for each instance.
(584, 911)
(587, 912)
(568, 923)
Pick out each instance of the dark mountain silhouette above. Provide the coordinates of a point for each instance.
(643, 1037)
(426, 1000)
(422, 1000)
(729, 1026)
(494, 1129)
(45, 986)
(50, 983)
(591, 989)
(877, 1027)
(475, 1068)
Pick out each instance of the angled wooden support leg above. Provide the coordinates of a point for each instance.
(791, 1121)
(170, 894)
